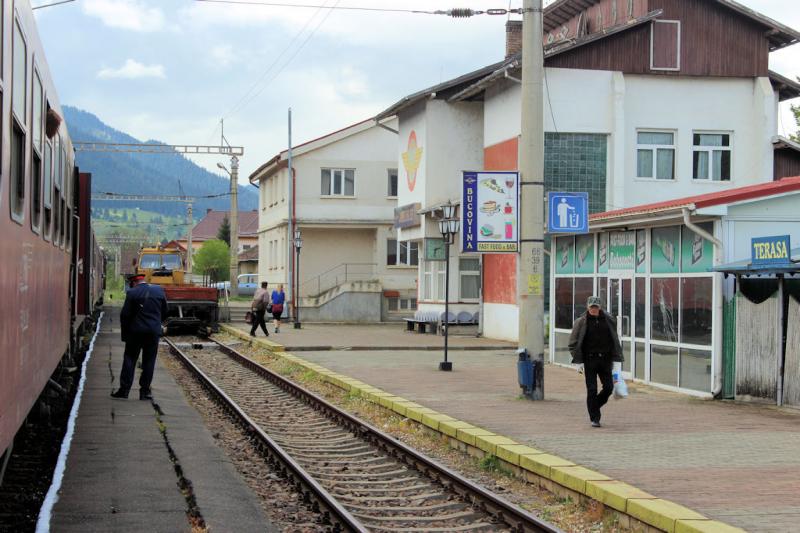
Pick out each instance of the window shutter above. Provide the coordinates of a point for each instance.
(665, 45)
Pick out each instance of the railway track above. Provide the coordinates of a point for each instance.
(357, 477)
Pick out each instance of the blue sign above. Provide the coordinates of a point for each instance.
(568, 212)
(771, 250)
(490, 212)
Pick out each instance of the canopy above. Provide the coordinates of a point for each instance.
(746, 268)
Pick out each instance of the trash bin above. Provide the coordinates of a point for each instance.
(525, 373)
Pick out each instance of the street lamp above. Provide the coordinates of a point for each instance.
(298, 243)
(449, 226)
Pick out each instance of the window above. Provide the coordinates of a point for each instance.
(245, 247)
(564, 303)
(469, 273)
(433, 274)
(19, 72)
(711, 156)
(36, 152)
(392, 183)
(338, 182)
(402, 253)
(47, 188)
(655, 155)
(441, 275)
(665, 45)
(401, 304)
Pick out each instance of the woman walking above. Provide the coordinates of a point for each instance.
(278, 297)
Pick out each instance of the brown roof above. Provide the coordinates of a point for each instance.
(208, 227)
(251, 254)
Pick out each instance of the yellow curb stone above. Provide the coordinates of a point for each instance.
(416, 413)
(661, 513)
(541, 463)
(489, 443)
(467, 435)
(614, 494)
(575, 477)
(451, 428)
(511, 452)
(387, 401)
(432, 420)
(705, 526)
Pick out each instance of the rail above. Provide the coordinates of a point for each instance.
(517, 519)
(337, 275)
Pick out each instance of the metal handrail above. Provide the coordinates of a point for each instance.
(343, 270)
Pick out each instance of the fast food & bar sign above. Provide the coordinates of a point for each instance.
(490, 212)
(771, 250)
(406, 216)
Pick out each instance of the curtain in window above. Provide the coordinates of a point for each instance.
(326, 181)
(665, 163)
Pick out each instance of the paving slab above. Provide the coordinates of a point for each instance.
(734, 462)
(119, 475)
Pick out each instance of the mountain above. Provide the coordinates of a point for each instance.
(148, 174)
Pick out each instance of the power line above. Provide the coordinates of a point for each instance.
(455, 12)
(51, 5)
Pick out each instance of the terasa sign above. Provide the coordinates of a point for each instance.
(770, 250)
(490, 212)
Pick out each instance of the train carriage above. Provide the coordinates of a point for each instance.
(49, 262)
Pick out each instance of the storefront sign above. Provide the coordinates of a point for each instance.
(602, 253)
(696, 252)
(565, 255)
(490, 212)
(664, 250)
(434, 250)
(622, 250)
(771, 250)
(584, 254)
(406, 216)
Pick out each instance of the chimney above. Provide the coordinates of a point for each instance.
(513, 37)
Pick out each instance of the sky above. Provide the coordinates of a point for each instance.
(171, 69)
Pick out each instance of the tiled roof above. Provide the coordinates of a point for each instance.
(728, 196)
(208, 227)
(251, 254)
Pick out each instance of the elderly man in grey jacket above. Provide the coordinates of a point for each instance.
(594, 345)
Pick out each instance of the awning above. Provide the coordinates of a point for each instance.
(746, 268)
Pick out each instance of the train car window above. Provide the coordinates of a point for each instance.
(47, 189)
(36, 152)
(64, 187)
(57, 170)
(19, 69)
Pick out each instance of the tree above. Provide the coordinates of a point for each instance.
(212, 259)
(796, 110)
(224, 231)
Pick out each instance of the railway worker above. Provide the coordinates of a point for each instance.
(144, 310)
(278, 299)
(259, 307)
(595, 347)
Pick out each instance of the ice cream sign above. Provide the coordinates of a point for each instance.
(490, 212)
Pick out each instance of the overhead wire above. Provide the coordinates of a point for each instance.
(454, 12)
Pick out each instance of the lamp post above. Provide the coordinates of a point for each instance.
(298, 243)
(449, 226)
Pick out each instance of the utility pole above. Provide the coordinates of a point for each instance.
(290, 224)
(189, 249)
(530, 283)
(234, 223)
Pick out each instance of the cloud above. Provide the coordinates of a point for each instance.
(132, 70)
(223, 55)
(125, 14)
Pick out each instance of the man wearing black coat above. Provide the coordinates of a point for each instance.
(594, 345)
(144, 310)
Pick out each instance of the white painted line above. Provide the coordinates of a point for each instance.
(43, 523)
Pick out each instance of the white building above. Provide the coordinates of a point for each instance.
(644, 101)
(352, 267)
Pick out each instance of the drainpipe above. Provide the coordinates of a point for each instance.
(717, 289)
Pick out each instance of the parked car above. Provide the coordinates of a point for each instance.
(247, 284)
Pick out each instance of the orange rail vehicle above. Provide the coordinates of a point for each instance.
(190, 306)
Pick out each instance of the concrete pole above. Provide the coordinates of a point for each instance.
(290, 224)
(189, 245)
(530, 282)
(233, 220)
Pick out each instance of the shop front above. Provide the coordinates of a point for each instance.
(656, 282)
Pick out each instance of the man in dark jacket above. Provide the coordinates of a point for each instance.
(144, 310)
(594, 345)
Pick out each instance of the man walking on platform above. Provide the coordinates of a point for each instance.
(259, 307)
(594, 345)
(144, 310)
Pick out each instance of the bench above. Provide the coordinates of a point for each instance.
(464, 318)
(421, 321)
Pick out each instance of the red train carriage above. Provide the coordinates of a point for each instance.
(49, 271)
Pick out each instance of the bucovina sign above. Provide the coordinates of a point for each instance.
(490, 212)
(774, 250)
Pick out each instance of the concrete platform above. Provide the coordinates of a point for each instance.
(734, 463)
(392, 337)
(119, 475)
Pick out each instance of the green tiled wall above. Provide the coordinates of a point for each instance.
(575, 162)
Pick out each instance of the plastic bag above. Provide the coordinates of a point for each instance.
(620, 387)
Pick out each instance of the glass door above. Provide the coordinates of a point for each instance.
(620, 306)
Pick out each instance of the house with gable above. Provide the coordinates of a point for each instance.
(352, 266)
(645, 100)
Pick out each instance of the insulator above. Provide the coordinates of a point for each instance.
(497, 11)
(462, 12)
